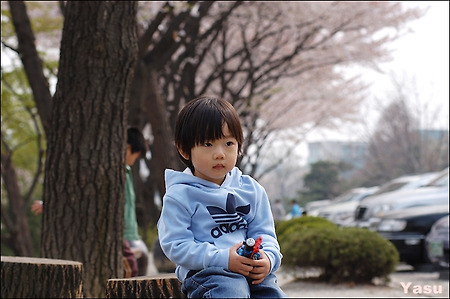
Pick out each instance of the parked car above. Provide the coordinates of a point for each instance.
(316, 204)
(436, 243)
(312, 208)
(433, 193)
(407, 182)
(341, 211)
(407, 230)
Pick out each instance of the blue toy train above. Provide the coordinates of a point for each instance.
(251, 248)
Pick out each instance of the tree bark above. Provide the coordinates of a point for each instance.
(24, 277)
(85, 167)
(160, 286)
(164, 148)
(14, 217)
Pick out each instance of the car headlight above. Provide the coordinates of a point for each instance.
(380, 209)
(341, 216)
(314, 213)
(391, 225)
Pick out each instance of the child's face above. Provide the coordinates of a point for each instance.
(214, 159)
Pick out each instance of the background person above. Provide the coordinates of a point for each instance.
(37, 207)
(136, 148)
(296, 210)
(278, 210)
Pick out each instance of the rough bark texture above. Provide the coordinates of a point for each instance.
(159, 286)
(25, 277)
(85, 163)
(14, 216)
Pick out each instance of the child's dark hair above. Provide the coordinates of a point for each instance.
(136, 140)
(201, 120)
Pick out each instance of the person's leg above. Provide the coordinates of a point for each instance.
(128, 254)
(268, 288)
(215, 282)
(142, 265)
(140, 250)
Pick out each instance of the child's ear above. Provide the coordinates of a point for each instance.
(183, 154)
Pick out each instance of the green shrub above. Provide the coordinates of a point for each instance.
(346, 254)
(288, 227)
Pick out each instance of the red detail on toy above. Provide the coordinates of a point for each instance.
(256, 247)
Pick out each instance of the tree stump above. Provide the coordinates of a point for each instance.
(30, 277)
(158, 286)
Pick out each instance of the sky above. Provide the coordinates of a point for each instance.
(424, 54)
(421, 55)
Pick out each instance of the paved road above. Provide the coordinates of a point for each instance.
(404, 283)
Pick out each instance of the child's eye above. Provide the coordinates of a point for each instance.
(230, 143)
(206, 144)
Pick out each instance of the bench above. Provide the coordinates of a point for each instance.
(155, 286)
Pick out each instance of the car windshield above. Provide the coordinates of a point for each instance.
(408, 182)
(440, 181)
(348, 196)
(390, 187)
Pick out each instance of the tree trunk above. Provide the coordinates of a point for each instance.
(85, 167)
(24, 277)
(20, 237)
(31, 62)
(164, 149)
(160, 286)
(14, 217)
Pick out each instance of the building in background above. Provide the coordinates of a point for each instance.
(351, 153)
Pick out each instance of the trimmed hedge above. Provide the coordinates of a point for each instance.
(344, 254)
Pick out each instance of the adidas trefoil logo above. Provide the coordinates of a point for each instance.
(230, 220)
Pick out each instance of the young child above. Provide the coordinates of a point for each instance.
(210, 208)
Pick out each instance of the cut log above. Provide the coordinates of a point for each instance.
(157, 286)
(30, 277)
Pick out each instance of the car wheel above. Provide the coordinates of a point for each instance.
(425, 267)
(443, 274)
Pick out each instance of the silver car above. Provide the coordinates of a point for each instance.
(434, 193)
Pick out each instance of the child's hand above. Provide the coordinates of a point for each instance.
(261, 268)
(239, 264)
(257, 270)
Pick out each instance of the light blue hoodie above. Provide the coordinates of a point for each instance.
(201, 220)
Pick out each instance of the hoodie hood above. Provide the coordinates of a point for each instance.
(174, 177)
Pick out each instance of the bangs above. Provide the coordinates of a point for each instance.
(207, 126)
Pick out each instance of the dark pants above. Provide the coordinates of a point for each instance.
(129, 255)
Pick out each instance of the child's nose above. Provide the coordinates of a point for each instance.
(219, 154)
